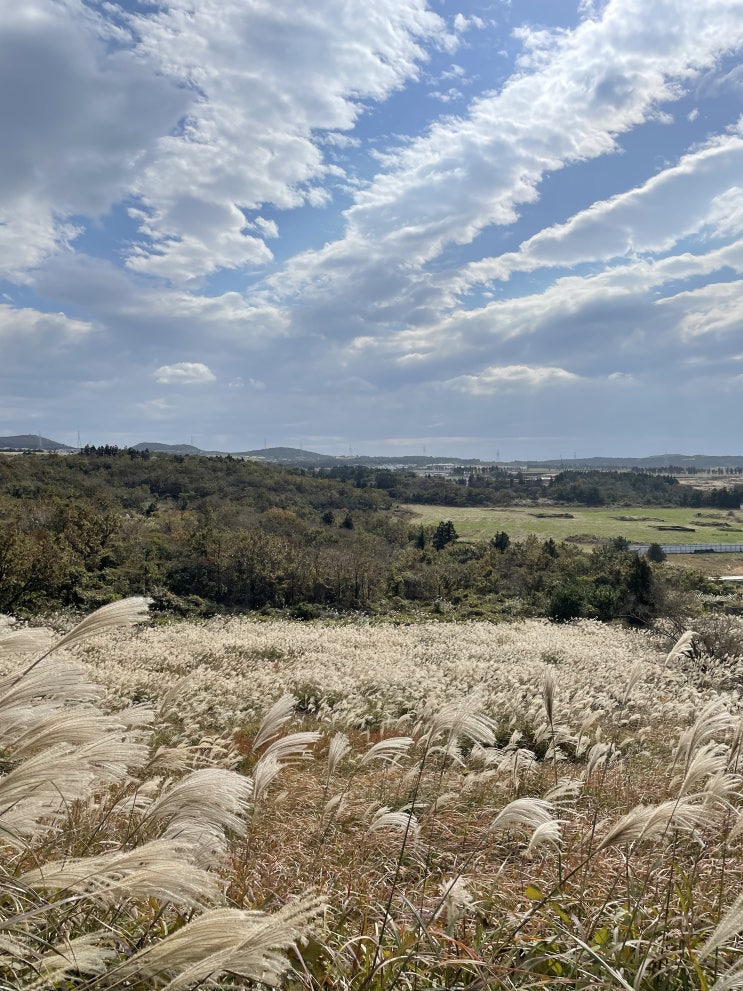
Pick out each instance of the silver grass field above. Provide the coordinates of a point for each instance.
(356, 805)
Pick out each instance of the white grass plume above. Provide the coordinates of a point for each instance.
(225, 941)
(399, 822)
(713, 722)
(729, 926)
(546, 834)
(274, 719)
(463, 718)
(337, 749)
(158, 869)
(635, 675)
(125, 612)
(730, 979)
(456, 902)
(292, 749)
(121, 613)
(113, 756)
(527, 812)
(76, 726)
(40, 788)
(565, 792)
(685, 646)
(82, 955)
(27, 641)
(389, 750)
(600, 753)
(548, 694)
(264, 772)
(654, 822)
(62, 683)
(708, 760)
(210, 800)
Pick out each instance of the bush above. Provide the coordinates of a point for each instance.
(566, 602)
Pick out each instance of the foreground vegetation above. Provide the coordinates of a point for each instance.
(358, 806)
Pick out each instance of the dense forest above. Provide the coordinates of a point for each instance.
(207, 534)
(497, 486)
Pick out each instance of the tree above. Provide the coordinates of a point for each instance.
(655, 553)
(566, 603)
(444, 534)
(550, 548)
(501, 541)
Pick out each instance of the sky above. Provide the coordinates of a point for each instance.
(502, 229)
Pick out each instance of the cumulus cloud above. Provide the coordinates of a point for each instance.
(24, 323)
(266, 82)
(184, 373)
(80, 113)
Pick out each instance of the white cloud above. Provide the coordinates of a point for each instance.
(471, 172)
(713, 309)
(155, 408)
(497, 378)
(267, 79)
(644, 219)
(184, 373)
(29, 328)
(79, 113)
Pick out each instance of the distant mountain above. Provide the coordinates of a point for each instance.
(31, 442)
(312, 459)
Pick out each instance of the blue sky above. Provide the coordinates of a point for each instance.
(470, 227)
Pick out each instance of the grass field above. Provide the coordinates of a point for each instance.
(637, 527)
(434, 806)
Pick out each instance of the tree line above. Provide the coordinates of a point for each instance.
(205, 534)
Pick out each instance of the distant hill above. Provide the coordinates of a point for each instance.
(297, 456)
(31, 442)
(170, 448)
(312, 459)
(698, 461)
(288, 455)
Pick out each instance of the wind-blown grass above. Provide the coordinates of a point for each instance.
(358, 808)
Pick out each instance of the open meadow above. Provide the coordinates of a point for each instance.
(359, 805)
(637, 524)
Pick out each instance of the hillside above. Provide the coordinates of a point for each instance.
(31, 442)
(209, 534)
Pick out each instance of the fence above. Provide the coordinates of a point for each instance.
(692, 548)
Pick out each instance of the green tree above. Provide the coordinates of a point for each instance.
(566, 602)
(444, 534)
(501, 541)
(655, 553)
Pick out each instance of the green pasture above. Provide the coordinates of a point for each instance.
(520, 521)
